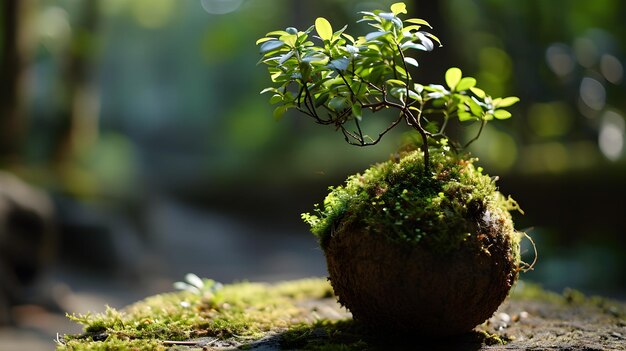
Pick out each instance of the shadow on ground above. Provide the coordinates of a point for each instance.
(350, 335)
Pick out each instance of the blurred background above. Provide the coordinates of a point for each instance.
(135, 146)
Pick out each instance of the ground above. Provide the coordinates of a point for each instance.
(303, 315)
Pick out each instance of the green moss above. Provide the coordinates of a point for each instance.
(236, 312)
(569, 297)
(396, 199)
(239, 315)
(325, 335)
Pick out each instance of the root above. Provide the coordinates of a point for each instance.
(525, 267)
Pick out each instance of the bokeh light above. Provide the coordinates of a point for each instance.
(54, 28)
(611, 136)
(551, 119)
(611, 68)
(153, 13)
(592, 93)
(220, 7)
(560, 59)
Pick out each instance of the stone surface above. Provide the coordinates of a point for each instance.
(530, 319)
(526, 324)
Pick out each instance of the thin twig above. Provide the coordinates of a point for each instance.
(482, 125)
(174, 342)
(406, 70)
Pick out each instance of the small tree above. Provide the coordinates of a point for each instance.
(336, 81)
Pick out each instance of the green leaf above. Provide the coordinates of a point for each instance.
(335, 81)
(417, 21)
(276, 75)
(398, 7)
(280, 111)
(320, 100)
(289, 39)
(277, 33)
(356, 111)
(397, 92)
(340, 64)
(506, 102)
(397, 22)
(270, 46)
(396, 82)
(415, 96)
(387, 15)
(349, 37)
(412, 45)
(475, 108)
(401, 70)
(465, 116)
(276, 98)
(285, 57)
(267, 90)
(411, 61)
(465, 83)
(323, 28)
(374, 35)
(412, 27)
(314, 57)
(352, 49)
(338, 33)
(502, 114)
(478, 92)
(453, 76)
(435, 95)
(262, 40)
(338, 103)
(434, 37)
(358, 88)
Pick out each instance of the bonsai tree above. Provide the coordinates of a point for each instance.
(423, 242)
(340, 79)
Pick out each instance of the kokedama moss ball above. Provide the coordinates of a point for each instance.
(409, 253)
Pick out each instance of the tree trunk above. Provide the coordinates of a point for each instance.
(15, 46)
(80, 109)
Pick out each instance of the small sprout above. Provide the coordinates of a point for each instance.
(198, 286)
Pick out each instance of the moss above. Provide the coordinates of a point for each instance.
(190, 315)
(412, 252)
(236, 312)
(397, 199)
(531, 291)
(325, 335)
(569, 297)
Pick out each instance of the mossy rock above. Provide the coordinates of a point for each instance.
(302, 315)
(410, 253)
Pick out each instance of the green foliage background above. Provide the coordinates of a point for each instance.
(173, 106)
